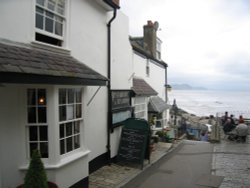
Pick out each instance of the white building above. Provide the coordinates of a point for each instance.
(148, 65)
(56, 60)
(54, 57)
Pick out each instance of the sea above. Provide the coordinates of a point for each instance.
(212, 102)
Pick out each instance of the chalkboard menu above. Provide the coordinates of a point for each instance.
(134, 141)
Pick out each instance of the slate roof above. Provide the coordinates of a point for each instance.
(141, 87)
(137, 45)
(22, 64)
(156, 104)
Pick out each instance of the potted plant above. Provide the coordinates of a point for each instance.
(36, 176)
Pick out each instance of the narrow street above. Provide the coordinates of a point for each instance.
(199, 164)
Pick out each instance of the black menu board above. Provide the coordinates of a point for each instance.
(134, 143)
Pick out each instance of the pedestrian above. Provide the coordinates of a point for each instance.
(204, 136)
(228, 126)
(241, 131)
(232, 119)
(224, 118)
(241, 119)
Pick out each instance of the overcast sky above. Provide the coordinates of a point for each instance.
(205, 42)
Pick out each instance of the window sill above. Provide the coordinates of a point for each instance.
(63, 161)
(53, 48)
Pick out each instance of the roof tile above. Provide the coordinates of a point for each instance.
(16, 59)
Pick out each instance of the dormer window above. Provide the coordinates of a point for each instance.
(50, 21)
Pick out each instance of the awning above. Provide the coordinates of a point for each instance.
(156, 104)
(27, 64)
(141, 87)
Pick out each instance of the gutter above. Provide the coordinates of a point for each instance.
(109, 118)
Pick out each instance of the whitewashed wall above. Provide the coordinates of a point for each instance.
(121, 65)
(121, 53)
(17, 20)
(86, 39)
(88, 43)
(88, 34)
(156, 78)
(11, 135)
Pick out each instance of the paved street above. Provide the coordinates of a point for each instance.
(185, 167)
(191, 164)
(232, 160)
(227, 163)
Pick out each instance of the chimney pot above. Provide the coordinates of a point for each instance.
(150, 23)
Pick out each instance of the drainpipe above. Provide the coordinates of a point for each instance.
(166, 84)
(109, 119)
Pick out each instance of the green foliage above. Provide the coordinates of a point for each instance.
(36, 176)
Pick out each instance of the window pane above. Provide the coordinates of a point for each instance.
(43, 131)
(70, 112)
(70, 96)
(33, 136)
(77, 127)
(33, 146)
(62, 147)
(51, 5)
(78, 95)
(61, 3)
(62, 113)
(69, 129)
(42, 117)
(78, 110)
(39, 21)
(58, 28)
(49, 25)
(40, 2)
(44, 150)
(49, 15)
(62, 96)
(69, 144)
(76, 142)
(39, 10)
(32, 115)
(60, 10)
(31, 97)
(62, 132)
(41, 96)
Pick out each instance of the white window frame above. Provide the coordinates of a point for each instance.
(140, 107)
(72, 120)
(47, 33)
(36, 124)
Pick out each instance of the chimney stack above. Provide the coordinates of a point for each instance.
(150, 37)
(117, 2)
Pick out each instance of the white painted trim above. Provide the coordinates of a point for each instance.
(63, 162)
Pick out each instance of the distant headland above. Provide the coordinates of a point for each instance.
(186, 87)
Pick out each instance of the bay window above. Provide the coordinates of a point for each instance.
(70, 118)
(37, 126)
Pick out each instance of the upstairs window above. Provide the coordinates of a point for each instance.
(50, 21)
